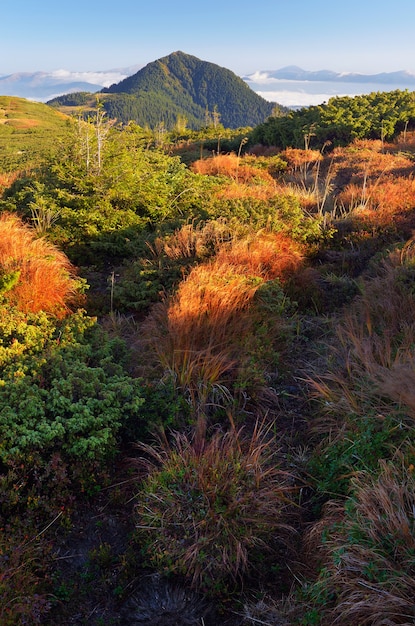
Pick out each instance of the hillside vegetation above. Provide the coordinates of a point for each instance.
(341, 120)
(206, 403)
(27, 130)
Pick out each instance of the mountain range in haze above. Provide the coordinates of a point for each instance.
(292, 72)
(44, 86)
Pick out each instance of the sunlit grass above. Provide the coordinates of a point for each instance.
(34, 274)
(198, 333)
(7, 179)
(232, 166)
(265, 255)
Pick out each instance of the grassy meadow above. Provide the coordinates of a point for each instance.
(207, 397)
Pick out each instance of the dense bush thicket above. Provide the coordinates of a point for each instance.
(340, 121)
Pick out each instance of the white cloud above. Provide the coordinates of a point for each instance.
(104, 79)
(296, 98)
(259, 77)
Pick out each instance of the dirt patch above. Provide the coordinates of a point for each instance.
(99, 579)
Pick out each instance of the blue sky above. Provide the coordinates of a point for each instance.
(244, 36)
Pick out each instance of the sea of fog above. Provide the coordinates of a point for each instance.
(298, 93)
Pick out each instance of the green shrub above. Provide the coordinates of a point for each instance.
(361, 445)
(282, 213)
(64, 397)
(63, 386)
(164, 407)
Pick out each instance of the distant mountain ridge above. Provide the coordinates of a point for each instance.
(44, 86)
(293, 72)
(291, 86)
(181, 85)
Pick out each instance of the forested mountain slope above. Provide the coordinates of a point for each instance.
(181, 85)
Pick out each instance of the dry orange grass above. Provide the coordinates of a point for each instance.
(7, 179)
(197, 333)
(204, 315)
(366, 158)
(232, 166)
(240, 191)
(204, 311)
(309, 199)
(393, 194)
(265, 255)
(45, 277)
(298, 158)
(380, 201)
(193, 334)
(405, 141)
(193, 240)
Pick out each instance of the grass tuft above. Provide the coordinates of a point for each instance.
(198, 334)
(35, 276)
(203, 509)
(369, 546)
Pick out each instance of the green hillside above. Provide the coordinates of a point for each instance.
(182, 85)
(28, 131)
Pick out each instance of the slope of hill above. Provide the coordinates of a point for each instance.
(28, 130)
(257, 312)
(183, 85)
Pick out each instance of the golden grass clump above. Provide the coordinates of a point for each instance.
(194, 240)
(298, 158)
(240, 191)
(369, 159)
(7, 179)
(194, 333)
(379, 201)
(211, 295)
(206, 310)
(35, 275)
(197, 334)
(232, 166)
(266, 255)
